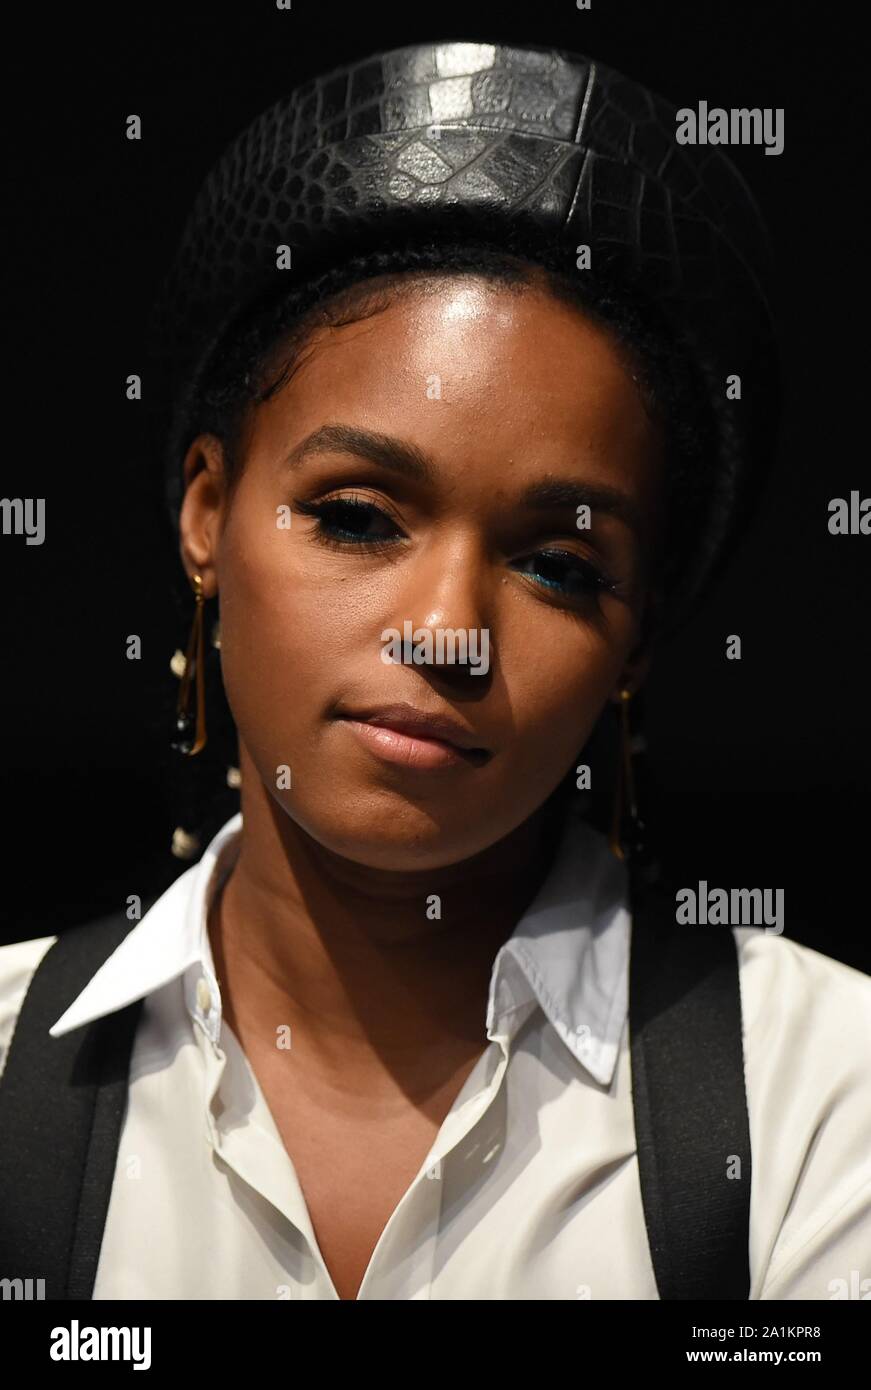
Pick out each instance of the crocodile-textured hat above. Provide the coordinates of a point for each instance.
(478, 139)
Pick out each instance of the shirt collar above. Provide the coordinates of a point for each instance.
(171, 940)
(568, 953)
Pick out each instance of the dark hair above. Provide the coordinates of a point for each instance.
(259, 352)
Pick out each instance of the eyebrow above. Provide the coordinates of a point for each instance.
(546, 494)
(550, 493)
(384, 449)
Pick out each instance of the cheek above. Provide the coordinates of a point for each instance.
(558, 676)
(284, 625)
(296, 625)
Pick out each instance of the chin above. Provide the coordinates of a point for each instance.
(391, 833)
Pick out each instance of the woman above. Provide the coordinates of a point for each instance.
(452, 345)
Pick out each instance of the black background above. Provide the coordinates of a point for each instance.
(758, 768)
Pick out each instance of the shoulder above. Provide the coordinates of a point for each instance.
(807, 1040)
(790, 990)
(18, 963)
(806, 1020)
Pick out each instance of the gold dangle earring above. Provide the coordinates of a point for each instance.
(624, 794)
(190, 734)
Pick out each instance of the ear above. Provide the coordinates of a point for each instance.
(202, 512)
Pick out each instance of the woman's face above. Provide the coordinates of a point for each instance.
(432, 459)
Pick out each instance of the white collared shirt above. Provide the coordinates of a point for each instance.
(531, 1187)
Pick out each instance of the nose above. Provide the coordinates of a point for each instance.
(443, 612)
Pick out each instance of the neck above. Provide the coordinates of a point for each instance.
(348, 956)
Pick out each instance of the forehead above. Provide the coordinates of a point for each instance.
(471, 370)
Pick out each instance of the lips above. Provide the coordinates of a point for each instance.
(402, 733)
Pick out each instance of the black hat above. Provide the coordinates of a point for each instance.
(475, 140)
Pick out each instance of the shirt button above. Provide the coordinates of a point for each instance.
(204, 994)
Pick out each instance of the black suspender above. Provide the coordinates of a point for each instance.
(62, 1103)
(688, 1093)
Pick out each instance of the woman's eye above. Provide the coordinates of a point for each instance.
(565, 573)
(349, 521)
